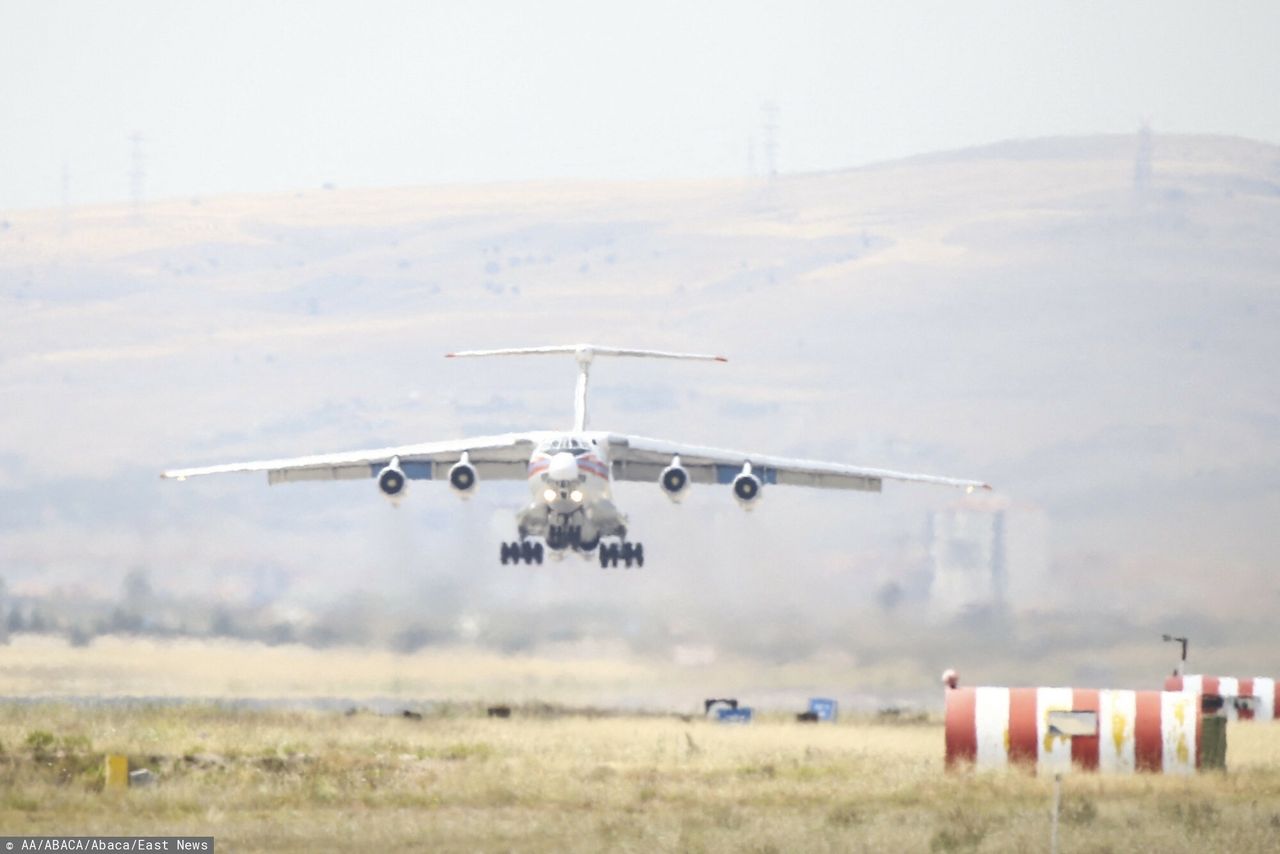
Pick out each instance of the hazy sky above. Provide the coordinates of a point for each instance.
(231, 96)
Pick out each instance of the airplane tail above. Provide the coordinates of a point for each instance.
(584, 353)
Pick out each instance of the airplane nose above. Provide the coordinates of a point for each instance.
(563, 467)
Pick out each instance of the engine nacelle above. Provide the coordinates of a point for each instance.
(463, 477)
(674, 480)
(391, 480)
(746, 487)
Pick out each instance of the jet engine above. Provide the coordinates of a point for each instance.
(746, 487)
(463, 477)
(391, 480)
(674, 480)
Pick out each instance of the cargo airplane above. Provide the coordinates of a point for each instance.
(571, 473)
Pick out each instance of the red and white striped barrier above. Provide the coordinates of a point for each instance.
(1131, 730)
(1264, 691)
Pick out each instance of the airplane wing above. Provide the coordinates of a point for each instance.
(637, 458)
(501, 457)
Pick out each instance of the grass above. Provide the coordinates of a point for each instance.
(264, 778)
(307, 781)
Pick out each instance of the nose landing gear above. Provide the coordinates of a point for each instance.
(570, 537)
(627, 552)
(564, 537)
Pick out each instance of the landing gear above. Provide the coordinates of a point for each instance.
(570, 537)
(532, 552)
(628, 553)
(526, 551)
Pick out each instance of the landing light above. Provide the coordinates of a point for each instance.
(549, 495)
(576, 495)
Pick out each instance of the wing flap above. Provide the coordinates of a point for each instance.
(286, 475)
(826, 480)
(498, 471)
(636, 455)
(640, 471)
(502, 457)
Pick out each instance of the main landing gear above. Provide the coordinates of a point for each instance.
(525, 551)
(628, 552)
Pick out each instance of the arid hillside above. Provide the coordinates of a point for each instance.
(1095, 339)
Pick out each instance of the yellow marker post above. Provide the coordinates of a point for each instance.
(116, 772)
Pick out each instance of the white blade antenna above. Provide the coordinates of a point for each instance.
(584, 353)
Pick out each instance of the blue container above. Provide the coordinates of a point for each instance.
(824, 708)
(740, 715)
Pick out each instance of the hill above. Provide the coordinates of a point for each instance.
(1096, 342)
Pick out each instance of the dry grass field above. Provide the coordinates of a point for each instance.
(272, 780)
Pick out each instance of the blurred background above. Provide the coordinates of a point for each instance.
(1031, 245)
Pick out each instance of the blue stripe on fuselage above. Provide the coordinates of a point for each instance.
(414, 470)
(726, 474)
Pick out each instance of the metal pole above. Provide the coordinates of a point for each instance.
(1182, 666)
(1053, 827)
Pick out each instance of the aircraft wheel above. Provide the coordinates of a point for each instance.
(638, 554)
(537, 553)
(604, 557)
(505, 553)
(627, 549)
(525, 551)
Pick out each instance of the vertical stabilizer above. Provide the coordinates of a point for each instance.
(584, 353)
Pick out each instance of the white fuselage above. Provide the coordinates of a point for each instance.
(570, 490)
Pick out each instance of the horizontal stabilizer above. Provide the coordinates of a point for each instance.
(585, 352)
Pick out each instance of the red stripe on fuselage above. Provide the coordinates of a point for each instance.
(594, 467)
(590, 465)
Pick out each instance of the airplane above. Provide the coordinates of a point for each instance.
(571, 473)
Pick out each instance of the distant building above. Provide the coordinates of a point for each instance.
(984, 553)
